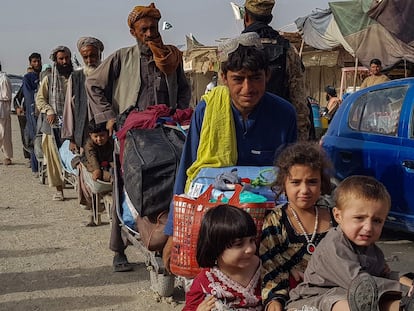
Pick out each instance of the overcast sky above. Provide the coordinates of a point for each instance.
(38, 26)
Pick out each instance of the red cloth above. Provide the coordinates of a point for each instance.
(229, 293)
(148, 118)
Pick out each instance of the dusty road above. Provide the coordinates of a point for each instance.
(49, 260)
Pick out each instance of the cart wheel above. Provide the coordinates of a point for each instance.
(162, 284)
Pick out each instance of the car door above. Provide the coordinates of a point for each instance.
(371, 138)
(403, 209)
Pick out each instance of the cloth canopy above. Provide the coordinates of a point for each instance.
(348, 23)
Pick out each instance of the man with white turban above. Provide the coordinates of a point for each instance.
(50, 101)
(76, 112)
(142, 75)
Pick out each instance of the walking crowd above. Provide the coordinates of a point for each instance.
(309, 257)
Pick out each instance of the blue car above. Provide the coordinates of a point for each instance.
(372, 134)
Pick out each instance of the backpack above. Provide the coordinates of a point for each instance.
(277, 55)
(5, 87)
(150, 161)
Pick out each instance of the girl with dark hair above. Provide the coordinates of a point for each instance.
(292, 231)
(226, 249)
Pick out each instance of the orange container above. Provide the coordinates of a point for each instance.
(188, 214)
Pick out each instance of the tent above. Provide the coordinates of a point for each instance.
(367, 29)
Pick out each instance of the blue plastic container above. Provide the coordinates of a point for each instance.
(316, 117)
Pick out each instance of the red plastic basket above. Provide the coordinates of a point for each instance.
(188, 214)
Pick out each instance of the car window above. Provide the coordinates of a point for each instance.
(378, 111)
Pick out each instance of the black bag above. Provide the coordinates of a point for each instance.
(150, 162)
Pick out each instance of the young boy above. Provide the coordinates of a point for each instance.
(348, 271)
(99, 152)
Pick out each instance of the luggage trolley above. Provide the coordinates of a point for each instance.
(161, 282)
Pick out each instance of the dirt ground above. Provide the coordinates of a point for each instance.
(49, 259)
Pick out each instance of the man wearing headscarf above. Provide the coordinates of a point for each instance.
(50, 101)
(287, 73)
(139, 76)
(75, 113)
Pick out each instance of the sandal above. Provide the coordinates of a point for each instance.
(58, 196)
(121, 264)
(363, 293)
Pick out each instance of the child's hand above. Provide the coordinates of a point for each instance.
(207, 304)
(274, 305)
(386, 270)
(297, 275)
(96, 174)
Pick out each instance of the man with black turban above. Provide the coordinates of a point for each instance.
(50, 101)
(142, 75)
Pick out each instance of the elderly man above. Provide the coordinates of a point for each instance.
(236, 124)
(5, 120)
(287, 76)
(145, 74)
(50, 101)
(75, 113)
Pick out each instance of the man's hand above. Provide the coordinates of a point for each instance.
(166, 254)
(96, 174)
(20, 111)
(274, 305)
(110, 126)
(51, 118)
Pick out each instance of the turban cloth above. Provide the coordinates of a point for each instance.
(60, 48)
(85, 41)
(143, 11)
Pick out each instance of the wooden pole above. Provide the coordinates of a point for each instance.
(301, 47)
(356, 72)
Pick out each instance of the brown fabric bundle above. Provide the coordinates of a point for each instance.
(167, 57)
(143, 11)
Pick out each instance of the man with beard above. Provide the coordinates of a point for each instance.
(142, 75)
(28, 113)
(287, 73)
(75, 113)
(50, 101)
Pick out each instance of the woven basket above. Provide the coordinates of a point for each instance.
(188, 214)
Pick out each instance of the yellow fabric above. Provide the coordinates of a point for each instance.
(218, 144)
(52, 161)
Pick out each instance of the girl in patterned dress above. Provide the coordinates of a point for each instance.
(226, 249)
(292, 230)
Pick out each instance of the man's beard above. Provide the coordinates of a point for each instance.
(64, 70)
(87, 70)
(144, 48)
